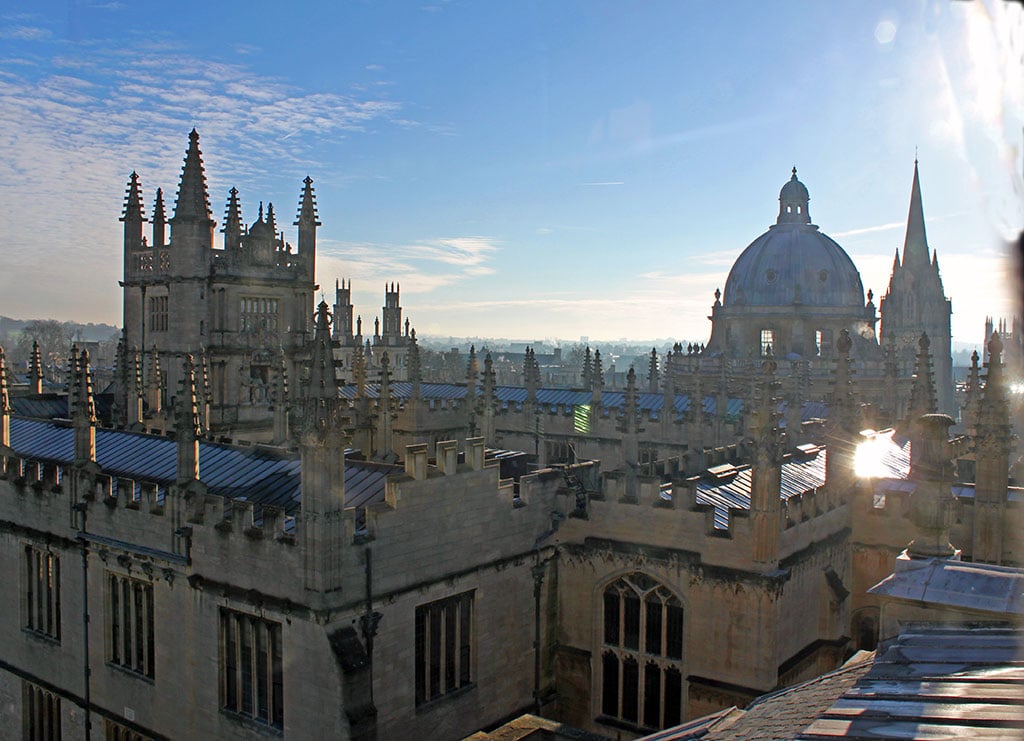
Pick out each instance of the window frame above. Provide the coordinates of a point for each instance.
(449, 626)
(41, 593)
(638, 652)
(133, 649)
(40, 713)
(254, 692)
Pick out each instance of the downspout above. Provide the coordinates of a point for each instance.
(370, 619)
(538, 580)
(81, 508)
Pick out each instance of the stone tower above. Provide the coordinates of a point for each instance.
(245, 306)
(915, 303)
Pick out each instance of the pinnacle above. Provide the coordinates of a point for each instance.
(193, 202)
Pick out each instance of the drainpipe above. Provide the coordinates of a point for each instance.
(370, 619)
(81, 508)
(538, 580)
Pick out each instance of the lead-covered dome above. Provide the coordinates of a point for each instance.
(794, 263)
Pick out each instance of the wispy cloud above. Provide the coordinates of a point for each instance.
(607, 182)
(74, 125)
(420, 267)
(25, 33)
(869, 229)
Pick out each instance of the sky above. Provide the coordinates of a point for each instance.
(528, 170)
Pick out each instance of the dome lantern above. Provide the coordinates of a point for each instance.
(793, 200)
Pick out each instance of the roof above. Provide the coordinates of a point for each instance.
(934, 683)
(944, 582)
(647, 402)
(55, 406)
(728, 487)
(259, 474)
(779, 715)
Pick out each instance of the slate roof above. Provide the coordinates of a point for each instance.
(783, 714)
(611, 400)
(259, 474)
(934, 683)
(731, 490)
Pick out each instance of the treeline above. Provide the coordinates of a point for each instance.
(55, 340)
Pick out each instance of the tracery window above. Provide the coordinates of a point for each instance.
(42, 592)
(258, 314)
(642, 659)
(158, 313)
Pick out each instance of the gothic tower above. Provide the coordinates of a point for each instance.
(244, 306)
(915, 303)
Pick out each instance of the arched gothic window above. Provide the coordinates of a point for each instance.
(642, 658)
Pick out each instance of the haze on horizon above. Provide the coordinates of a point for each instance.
(548, 170)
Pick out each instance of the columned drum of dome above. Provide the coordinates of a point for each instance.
(794, 288)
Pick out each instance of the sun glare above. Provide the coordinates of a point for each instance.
(869, 461)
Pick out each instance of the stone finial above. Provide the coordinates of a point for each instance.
(83, 408)
(281, 401)
(471, 366)
(5, 405)
(652, 371)
(307, 215)
(322, 387)
(35, 369)
(271, 219)
(629, 421)
(384, 442)
(187, 426)
(932, 500)
(154, 382)
(415, 370)
(232, 221)
(159, 220)
(922, 393)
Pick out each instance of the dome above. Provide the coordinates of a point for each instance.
(794, 263)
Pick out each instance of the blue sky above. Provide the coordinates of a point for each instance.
(531, 170)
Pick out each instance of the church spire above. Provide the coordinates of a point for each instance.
(193, 202)
(915, 245)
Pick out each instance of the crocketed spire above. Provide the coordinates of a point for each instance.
(133, 201)
(5, 405)
(232, 221)
(307, 215)
(159, 219)
(322, 391)
(193, 202)
(922, 393)
(187, 425)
